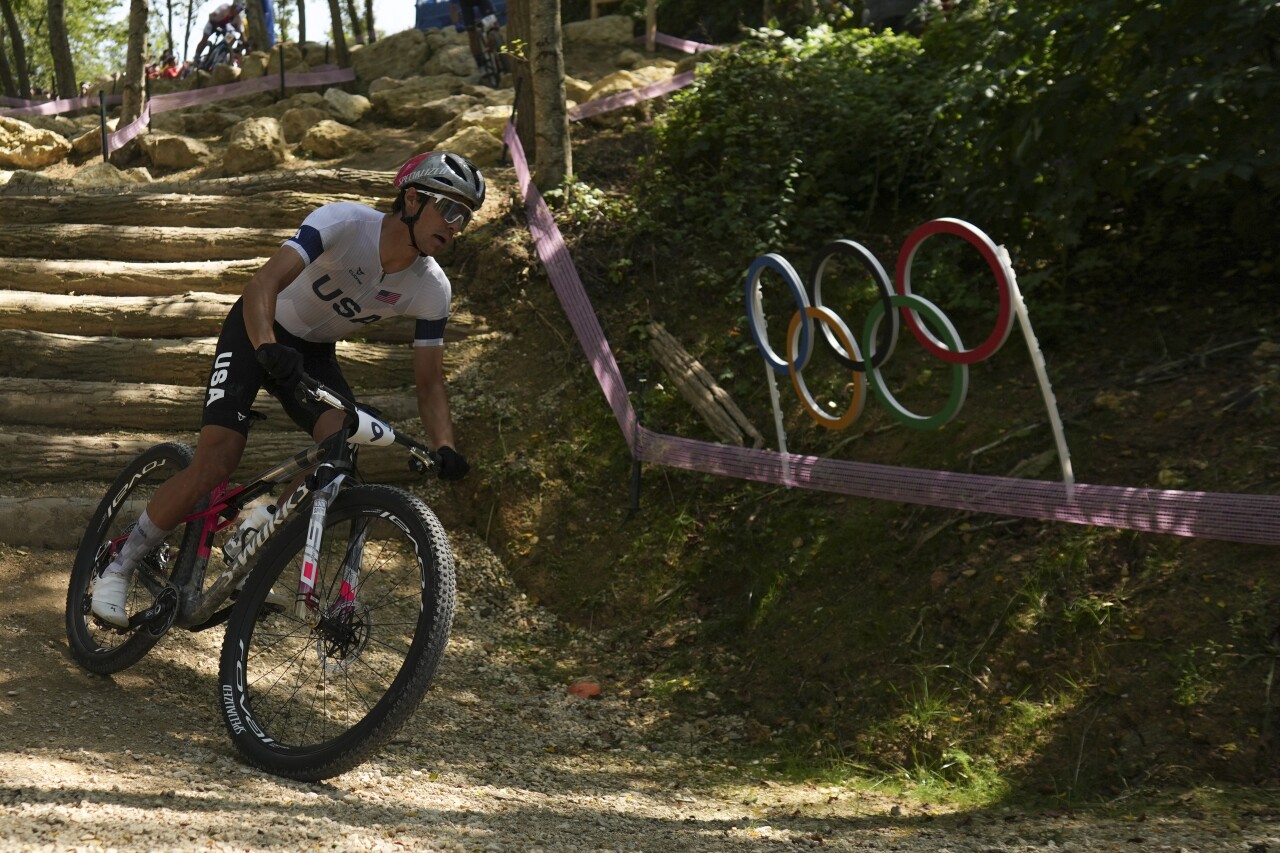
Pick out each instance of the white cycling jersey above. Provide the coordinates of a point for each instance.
(342, 287)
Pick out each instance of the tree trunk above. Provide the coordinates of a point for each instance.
(279, 209)
(357, 26)
(522, 75)
(368, 21)
(185, 315)
(256, 19)
(554, 158)
(42, 458)
(6, 71)
(339, 39)
(186, 27)
(120, 278)
(102, 406)
(60, 48)
(302, 21)
(694, 383)
(131, 106)
(18, 48)
(181, 361)
(127, 242)
(168, 25)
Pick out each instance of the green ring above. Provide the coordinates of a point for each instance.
(959, 372)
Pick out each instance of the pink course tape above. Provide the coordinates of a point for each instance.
(181, 100)
(1209, 515)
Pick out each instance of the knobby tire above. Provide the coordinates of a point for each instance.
(310, 699)
(98, 647)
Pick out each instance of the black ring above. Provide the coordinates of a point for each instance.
(881, 278)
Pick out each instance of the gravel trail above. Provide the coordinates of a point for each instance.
(500, 757)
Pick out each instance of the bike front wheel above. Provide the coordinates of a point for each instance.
(95, 645)
(309, 698)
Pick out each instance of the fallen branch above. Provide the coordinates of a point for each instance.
(695, 384)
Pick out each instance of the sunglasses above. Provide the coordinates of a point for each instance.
(454, 213)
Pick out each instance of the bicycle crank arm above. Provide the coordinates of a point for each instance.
(157, 619)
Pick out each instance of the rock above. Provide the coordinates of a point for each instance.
(254, 65)
(25, 147)
(91, 141)
(32, 182)
(256, 144)
(346, 107)
(628, 58)
(445, 110)
(310, 100)
(223, 74)
(612, 84)
(293, 58)
(102, 174)
(296, 122)
(399, 56)
(576, 90)
(315, 53)
(607, 29)
(58, 124)
(329, 139)
(211, 122)
(455, 59)
(492, 119)
(476, 144)
(403, 102)
(171, 151)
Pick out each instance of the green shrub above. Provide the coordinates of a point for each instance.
(793, 141)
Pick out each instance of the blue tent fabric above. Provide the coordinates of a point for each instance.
(434, 14)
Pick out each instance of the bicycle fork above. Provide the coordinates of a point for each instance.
(307, 601)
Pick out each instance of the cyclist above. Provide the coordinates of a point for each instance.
(348, 265)
(227, 17)
(463, 15)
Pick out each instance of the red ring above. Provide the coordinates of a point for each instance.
(986, 248)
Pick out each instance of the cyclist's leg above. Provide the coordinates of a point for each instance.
(233, 383)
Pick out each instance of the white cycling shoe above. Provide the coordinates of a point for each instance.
(109, 593)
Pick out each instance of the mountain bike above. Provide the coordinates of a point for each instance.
(492, 44)
(226, 50)
(322, 665)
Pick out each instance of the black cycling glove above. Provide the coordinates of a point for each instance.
(453, 465)
(282, 363)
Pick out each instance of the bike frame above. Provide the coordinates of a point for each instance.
(333, 461)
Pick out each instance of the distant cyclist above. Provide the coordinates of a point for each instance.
(229, 17)
(463, 15)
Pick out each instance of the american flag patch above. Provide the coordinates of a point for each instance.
(388, 297)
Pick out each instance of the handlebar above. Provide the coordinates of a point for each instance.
(372, 428)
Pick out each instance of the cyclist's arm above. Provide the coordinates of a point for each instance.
(260, 293)
(433, 400)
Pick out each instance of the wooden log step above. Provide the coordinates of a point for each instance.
(181, 361)
(114, 406)
(363, 182)
(139, 243)
(48, 456)
(49, 515)
(274, 208)
(190, 314)
(122, 278)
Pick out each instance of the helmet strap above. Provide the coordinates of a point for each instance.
(411, 221)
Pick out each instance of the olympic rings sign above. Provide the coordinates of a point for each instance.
(861, 355)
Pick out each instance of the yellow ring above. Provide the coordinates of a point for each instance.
(832, 320)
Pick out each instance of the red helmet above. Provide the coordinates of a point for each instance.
(442, 172)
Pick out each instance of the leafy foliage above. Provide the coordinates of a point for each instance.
(1124, 133)
(791, 141)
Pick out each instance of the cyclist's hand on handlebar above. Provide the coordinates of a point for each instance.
(282, 363)
(453, 465)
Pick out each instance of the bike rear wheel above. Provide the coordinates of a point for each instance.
(311, 698)
(494, 62)
(95, 645)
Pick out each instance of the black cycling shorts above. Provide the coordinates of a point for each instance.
(236, 377)
(468, 10)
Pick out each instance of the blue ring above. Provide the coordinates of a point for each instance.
(755, 313)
